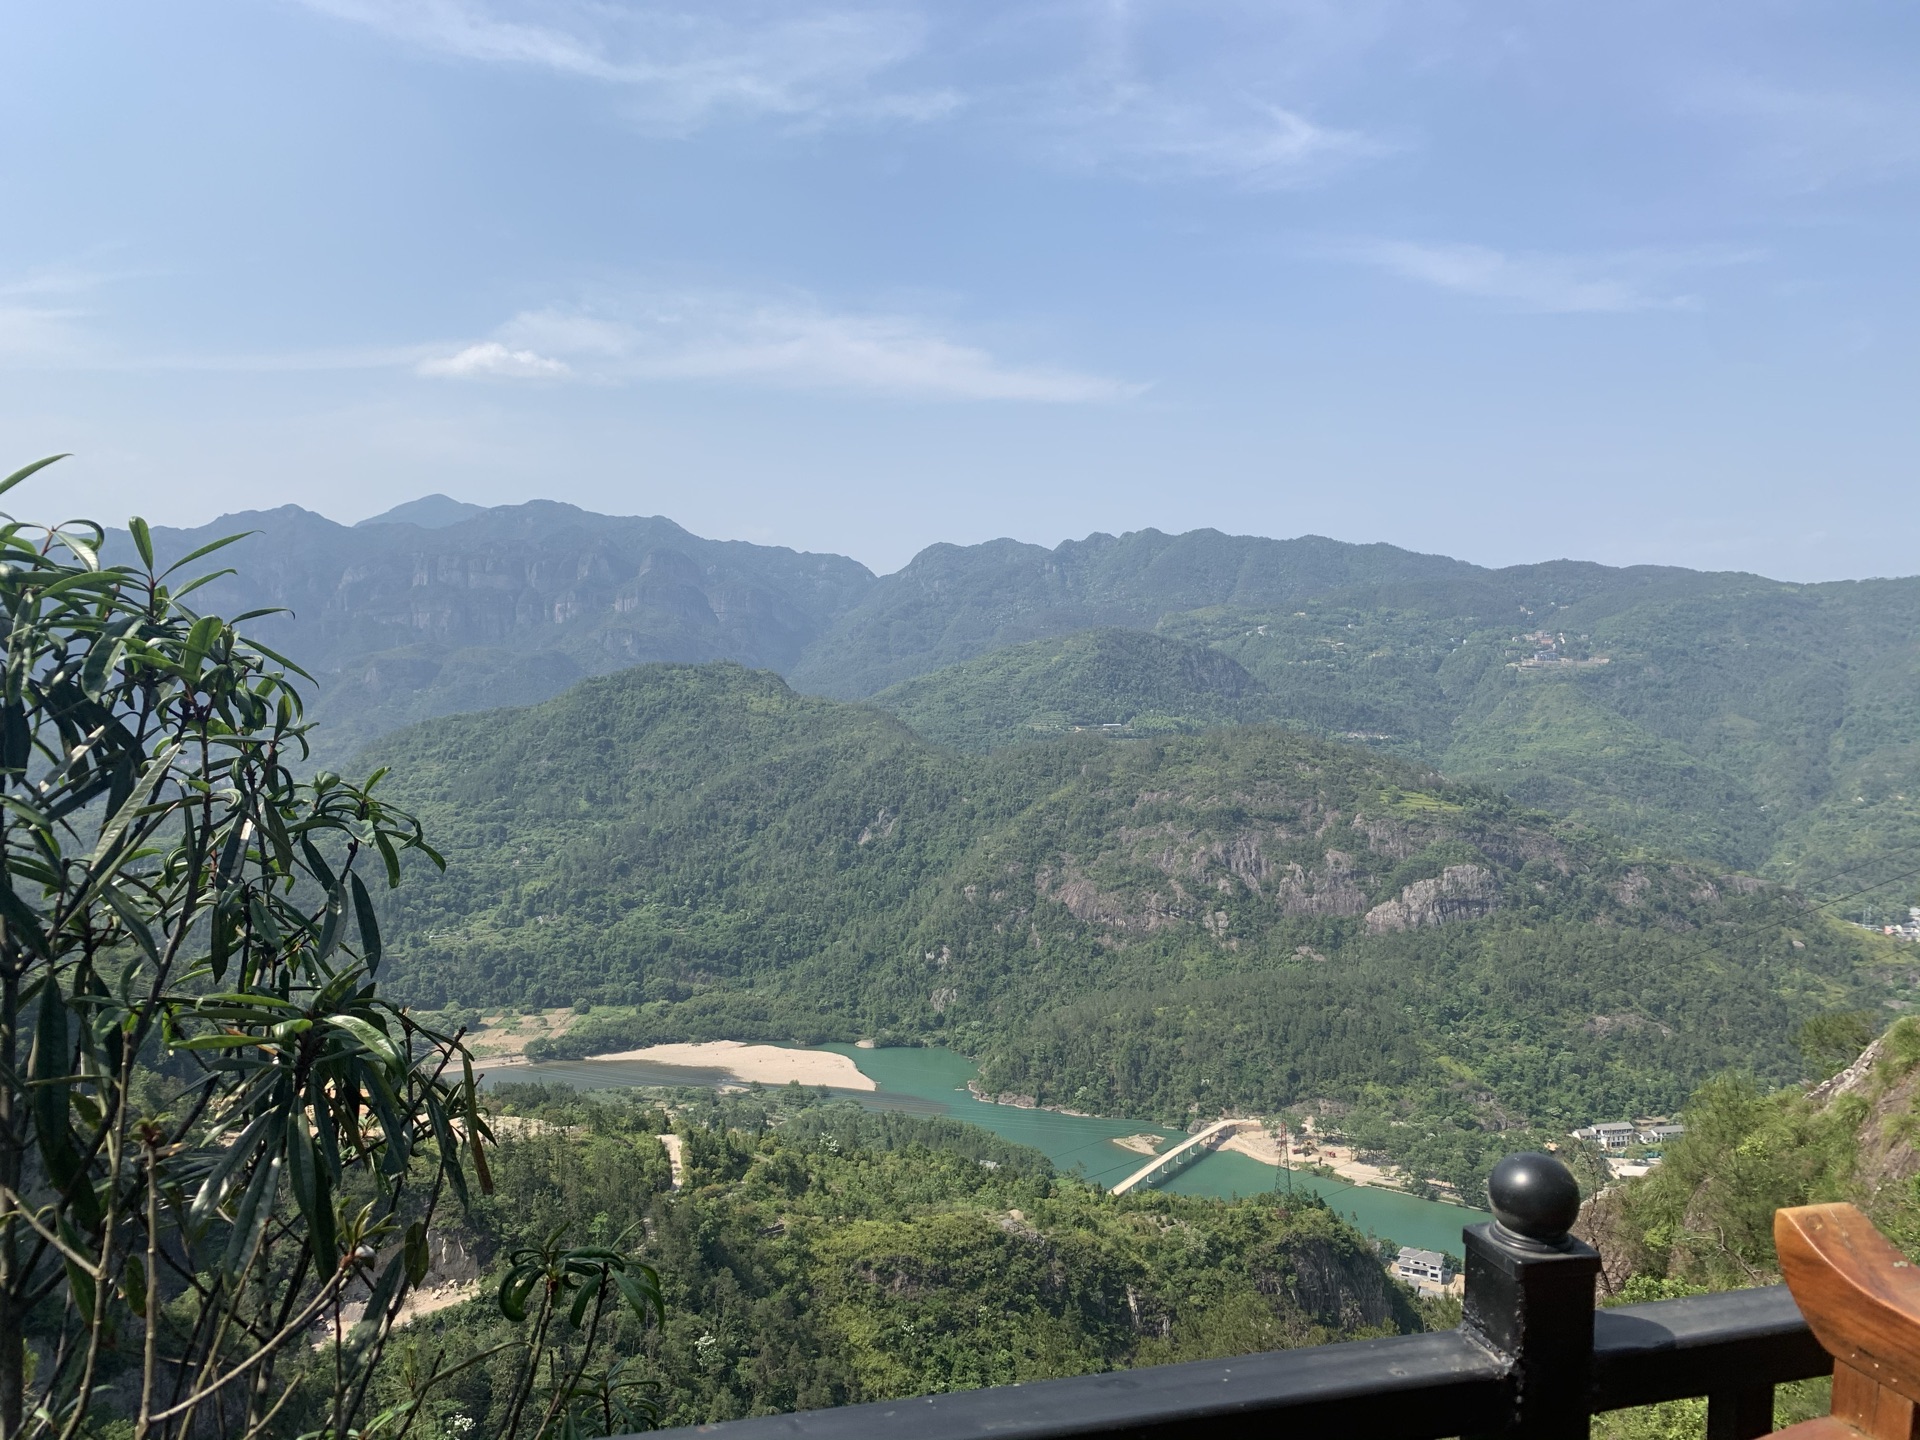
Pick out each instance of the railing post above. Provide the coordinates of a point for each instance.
(1741, 1412)
(1529, 1296)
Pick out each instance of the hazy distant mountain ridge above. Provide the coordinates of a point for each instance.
(402, 622)
(951, 603)
(429, 512)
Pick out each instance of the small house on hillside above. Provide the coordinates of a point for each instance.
(1426, 1270)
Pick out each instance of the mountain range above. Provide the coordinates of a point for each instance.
(1755, 723)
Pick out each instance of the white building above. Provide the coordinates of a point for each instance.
(1608, 1134)
(1426, 1270)
(1661, 1134)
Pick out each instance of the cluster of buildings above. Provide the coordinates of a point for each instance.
(1908, 931)
(1549, 648)
(1620, 1137)
(1616, 1137)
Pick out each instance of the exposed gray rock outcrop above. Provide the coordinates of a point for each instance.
(1461, 892)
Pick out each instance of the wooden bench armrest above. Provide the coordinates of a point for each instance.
(1860, 1295)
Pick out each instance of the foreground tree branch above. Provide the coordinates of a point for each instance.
(212, 1125)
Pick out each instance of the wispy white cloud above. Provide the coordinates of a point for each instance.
(1139, 96)
(1556, 283)
(788, 342)
(681, 66)
(490, 357)
(44, 315)
(1080, 82)
(1236, 137)
(784, 343)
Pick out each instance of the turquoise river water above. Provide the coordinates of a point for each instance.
(932, 1081)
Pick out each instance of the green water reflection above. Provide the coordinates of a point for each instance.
(933, 1081)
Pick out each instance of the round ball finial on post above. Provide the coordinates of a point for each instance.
(1534, 1195)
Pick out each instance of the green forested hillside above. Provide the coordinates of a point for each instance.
(1248, 917)
(816, 1255)
(1766, 726)
(1770, 726)
(1147, 684)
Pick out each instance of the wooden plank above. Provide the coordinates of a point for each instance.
(1873, 1409)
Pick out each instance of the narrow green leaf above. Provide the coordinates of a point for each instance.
(18, 917)
(220, 950)
(25, 470)
(48, 1065)
(369, 924)
(101, 658)
(449, 1150)
(378, 1303)
(326, 1140)
(399, 1147)
(83, 552)
(263, 921)
(216, 1042)
(313, 1194)
(142, 540)
(133, 1279)
(255, 1209)
(135, 922)
(213, 1189)
(207, 549)
(419, 1257)
(580, 1302)
(641, 1291)
(317, 863)
(370, 1036)
(392, 860)
(199, 580)
(515, 1289)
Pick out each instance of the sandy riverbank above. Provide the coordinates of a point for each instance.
(1262, 1146)
(769, 1064)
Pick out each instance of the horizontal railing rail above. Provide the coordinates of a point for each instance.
(1532, 1360)
(1728, 1348)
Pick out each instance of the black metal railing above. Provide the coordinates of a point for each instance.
(1533, 1358)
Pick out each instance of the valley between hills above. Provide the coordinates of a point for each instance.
(1162, 826)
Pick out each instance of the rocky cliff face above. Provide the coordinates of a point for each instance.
(1460, 892)
(1342, 1288)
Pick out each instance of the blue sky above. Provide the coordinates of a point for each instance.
(1633, 282)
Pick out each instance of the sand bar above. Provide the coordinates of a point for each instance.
(769, 1064)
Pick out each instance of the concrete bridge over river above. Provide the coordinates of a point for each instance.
(1185, 1153)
